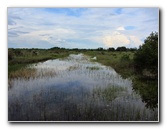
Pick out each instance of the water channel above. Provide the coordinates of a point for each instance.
(76, 89)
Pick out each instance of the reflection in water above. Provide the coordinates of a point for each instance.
(75, 89)
(148, 90)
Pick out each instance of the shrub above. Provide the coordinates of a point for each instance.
(146, 58)
(125, 57)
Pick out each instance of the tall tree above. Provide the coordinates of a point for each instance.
(146, 58)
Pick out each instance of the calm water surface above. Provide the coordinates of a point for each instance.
(76, 89)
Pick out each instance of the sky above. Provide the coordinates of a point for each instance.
(80, 27)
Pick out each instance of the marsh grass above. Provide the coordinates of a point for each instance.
(55, 102)
(46, 72)
(21, 58)
(25, 73)
(93, 68)
(55, 105)
(73, 68)
(109, 93)
(122, 62)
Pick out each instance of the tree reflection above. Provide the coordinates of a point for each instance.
(148, 90)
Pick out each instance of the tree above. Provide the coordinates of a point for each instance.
(132, 49)
(10, 55)
(111, 49)
(121, 48)
(146, 58)
(100, 49)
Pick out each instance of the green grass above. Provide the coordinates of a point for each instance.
(122, 62)
(19, 59)
(93, 68)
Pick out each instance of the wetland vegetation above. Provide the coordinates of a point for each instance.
(59, 84)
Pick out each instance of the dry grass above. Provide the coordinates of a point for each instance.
(71, 68)
(46, 73)
(29, 73)
(25, 73)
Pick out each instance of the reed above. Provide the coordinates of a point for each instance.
(109, 93)
(25, 73)
(93, 68)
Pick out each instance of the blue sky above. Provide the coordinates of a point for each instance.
(80, 27)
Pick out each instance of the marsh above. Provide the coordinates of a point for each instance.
(75, 88)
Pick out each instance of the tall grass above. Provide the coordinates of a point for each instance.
(109, 93)
(25, 73)
(122, 62)
(51, 104)
(23, 57)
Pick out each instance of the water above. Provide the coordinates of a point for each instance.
(76, 89)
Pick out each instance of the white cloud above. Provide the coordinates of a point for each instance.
(117, 39)
(134, 41)
(98, 25)
(120, 28)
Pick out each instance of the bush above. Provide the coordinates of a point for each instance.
(146, 58)
(10, 55)
(125, 57)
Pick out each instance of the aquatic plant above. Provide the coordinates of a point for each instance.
(109, 93)
(25, 73)
(93, 67)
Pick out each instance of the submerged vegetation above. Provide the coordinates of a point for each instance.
(67, 99)
(109, 93)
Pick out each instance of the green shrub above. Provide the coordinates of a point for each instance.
(146, 58)
(125, 57)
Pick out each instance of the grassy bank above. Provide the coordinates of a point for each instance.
(18, 59)
(122, 62)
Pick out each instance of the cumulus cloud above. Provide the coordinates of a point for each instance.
(134, 41)
(117, 39)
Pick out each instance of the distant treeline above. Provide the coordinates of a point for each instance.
(122, 48)
(35, 51)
